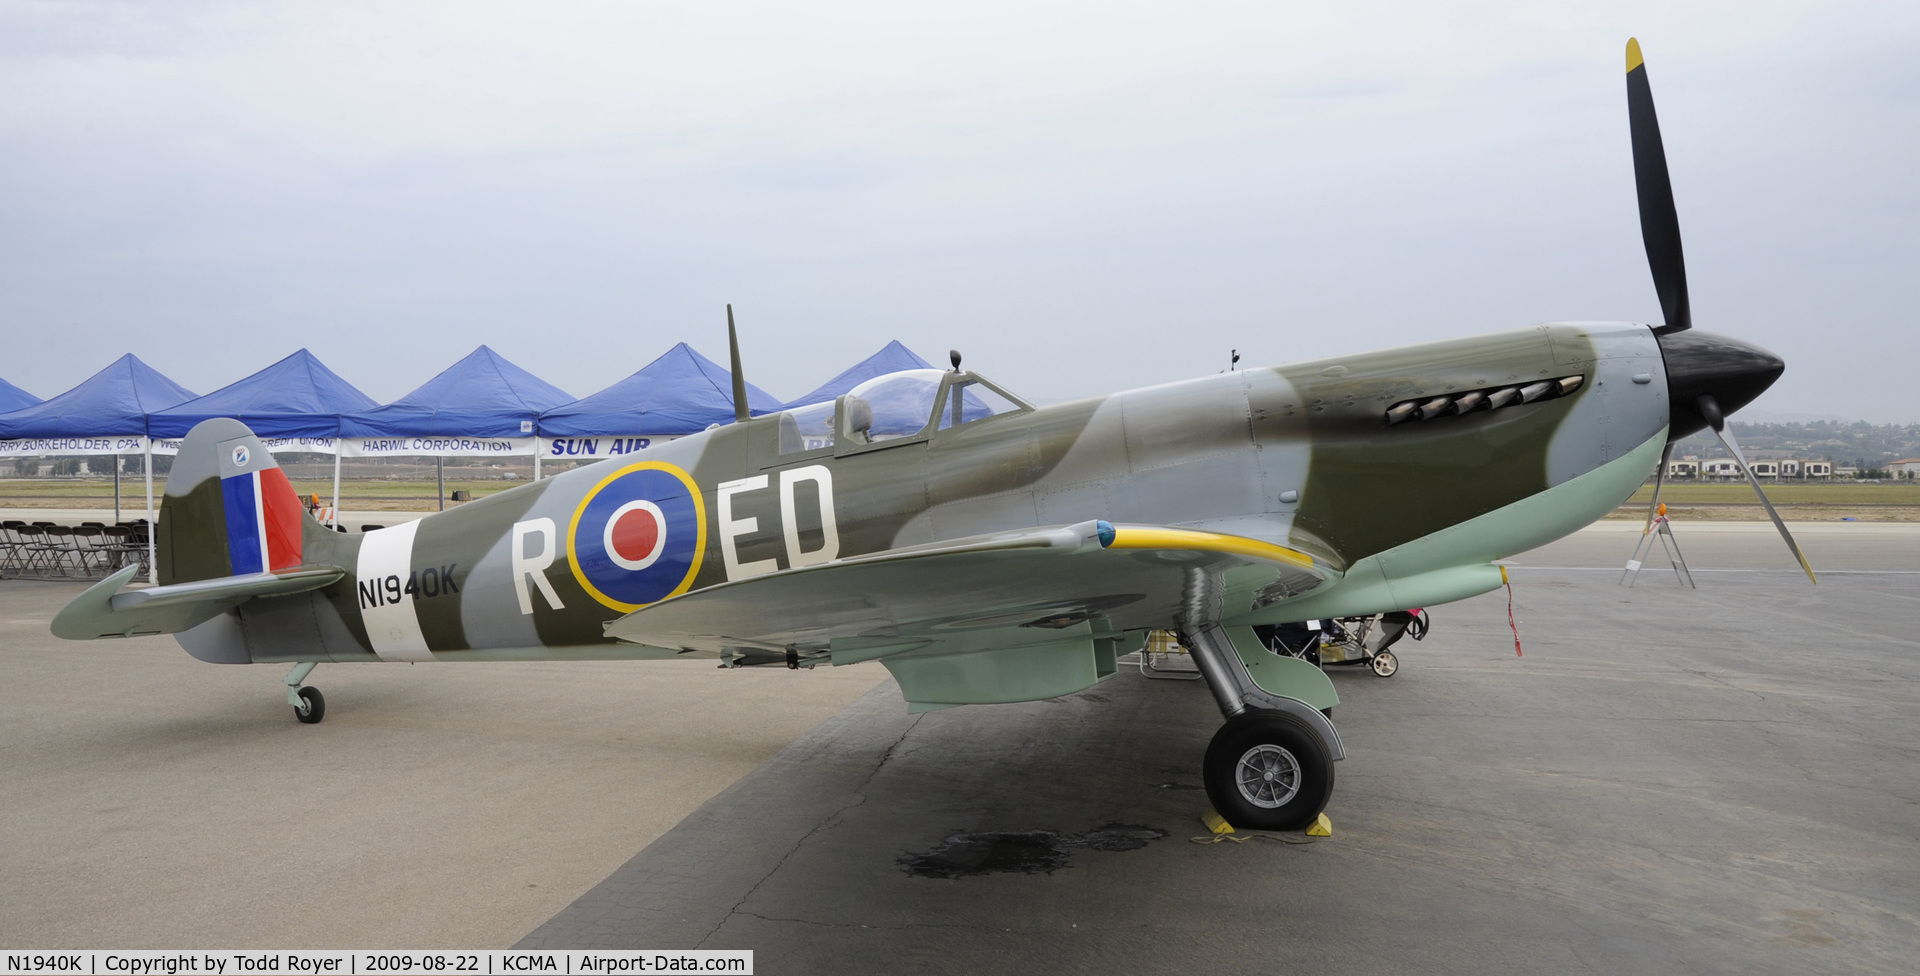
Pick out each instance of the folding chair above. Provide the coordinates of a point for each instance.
(63, 552)
(108, 554)
(114, 547)
(11, 547)
(89, 553)
(21, 556)
(137, 536)
(40, 553)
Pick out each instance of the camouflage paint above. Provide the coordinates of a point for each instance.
(1298, 455)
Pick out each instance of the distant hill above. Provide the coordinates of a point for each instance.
(1752, 416)
(1856, 443)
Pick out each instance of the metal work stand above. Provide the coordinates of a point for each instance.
(1161, 650)
(1662, 530)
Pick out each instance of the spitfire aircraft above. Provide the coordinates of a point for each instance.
(982, 549)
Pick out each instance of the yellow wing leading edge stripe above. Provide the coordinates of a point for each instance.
(1127, 537)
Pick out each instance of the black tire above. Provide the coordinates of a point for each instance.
(1284, 745)
(316, 706)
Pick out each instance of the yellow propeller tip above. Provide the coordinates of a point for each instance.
(1634, 60)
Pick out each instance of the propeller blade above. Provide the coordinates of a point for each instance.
(1659, 224)
(1711, 410)
(1659, 478)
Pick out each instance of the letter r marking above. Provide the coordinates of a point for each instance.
(534, 566)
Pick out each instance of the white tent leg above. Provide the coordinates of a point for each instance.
(116, 489)
(153, 526)
(336, 483)
(536, 459)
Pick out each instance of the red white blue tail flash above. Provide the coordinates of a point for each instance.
(263, 521)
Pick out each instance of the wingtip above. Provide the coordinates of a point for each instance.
(1634, 60)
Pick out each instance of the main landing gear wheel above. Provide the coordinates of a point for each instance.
(1385, 664)
(1266, 770)
(312, 707)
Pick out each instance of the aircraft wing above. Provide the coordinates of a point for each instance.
(1033, 586)
(105, 611)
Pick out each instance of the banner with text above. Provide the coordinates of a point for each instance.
(579, 448)
(40, 446)
(367, 447)
(274, 445)
(135, 444)
(551, 448)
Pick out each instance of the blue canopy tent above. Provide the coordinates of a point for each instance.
(680, 393)
(294, 405)
(113, 403)
(13, 398)
(892, 358)
(297, 397)
(482, 395)
(482, 406)
(107, 413)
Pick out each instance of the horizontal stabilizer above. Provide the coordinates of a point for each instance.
(104, 610)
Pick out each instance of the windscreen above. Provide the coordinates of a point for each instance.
(970, 400)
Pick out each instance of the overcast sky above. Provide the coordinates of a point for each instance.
(1081, 197)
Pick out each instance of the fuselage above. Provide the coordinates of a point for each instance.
(1304, 455)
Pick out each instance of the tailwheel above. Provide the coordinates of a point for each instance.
(1266, 770)
(1385, 664)
(312, 707)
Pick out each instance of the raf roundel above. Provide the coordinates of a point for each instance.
(638, 536)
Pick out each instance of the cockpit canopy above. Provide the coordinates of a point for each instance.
(908, 403)
(901, 402)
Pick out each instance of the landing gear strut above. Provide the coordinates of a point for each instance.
(309, 705)
(1271, 766)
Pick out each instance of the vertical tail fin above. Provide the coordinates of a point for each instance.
(229, 509)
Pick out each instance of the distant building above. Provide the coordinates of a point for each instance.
(1905, 468)
(1775, 468)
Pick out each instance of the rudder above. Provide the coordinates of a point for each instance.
(229, 510)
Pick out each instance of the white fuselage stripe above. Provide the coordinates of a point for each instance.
(386, 607)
